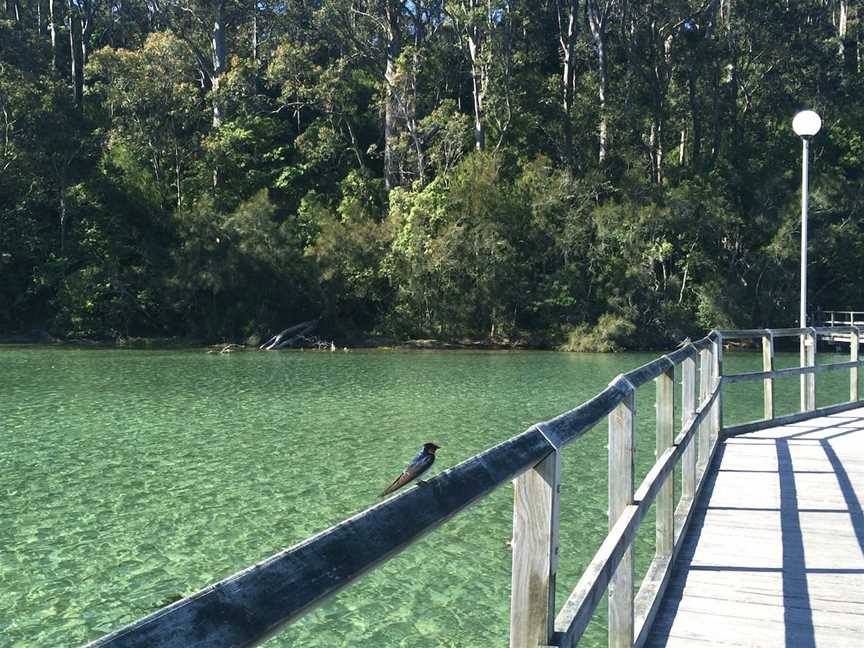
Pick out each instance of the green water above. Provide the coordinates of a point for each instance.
(130, 477)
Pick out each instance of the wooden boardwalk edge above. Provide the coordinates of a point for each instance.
(776, 553)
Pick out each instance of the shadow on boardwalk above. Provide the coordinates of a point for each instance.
(775, 554)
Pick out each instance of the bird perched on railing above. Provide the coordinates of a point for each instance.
(419, 465)
(683, 343)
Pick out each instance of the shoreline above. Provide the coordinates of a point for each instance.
(375, 343)
(372, 343)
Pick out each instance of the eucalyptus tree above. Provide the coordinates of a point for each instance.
(600, 13)
(388, 38)
(52, 29)
(474, 22)
(79, 23)
(567, 13)
(204, 25)
(12, 9)
(848, 15)
(157, 115)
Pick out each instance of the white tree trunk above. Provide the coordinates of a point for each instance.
(74, 56)
(604, 87)
(391, 100)
(598, 21)
(52, 27)
(567, 39)
(479, 80)
(219, 62)
(847, 31)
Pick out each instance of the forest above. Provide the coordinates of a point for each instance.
(583, 174)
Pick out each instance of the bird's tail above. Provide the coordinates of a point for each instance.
(396, 485)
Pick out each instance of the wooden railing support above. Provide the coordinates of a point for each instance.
(688, 407)
(768, 383)
(622, 455)
(808, 381)
(706, 375)
(717, 413)
(536, 497)
(665, 507)
(854, 341)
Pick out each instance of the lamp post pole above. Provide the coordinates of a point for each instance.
(806, 124)
(805, 203)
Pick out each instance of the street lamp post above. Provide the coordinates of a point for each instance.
(805, 124)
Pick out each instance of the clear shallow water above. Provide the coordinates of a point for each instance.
(130, 477)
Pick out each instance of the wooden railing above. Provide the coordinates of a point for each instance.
(841, 318)
(807, 370)
(252, 605)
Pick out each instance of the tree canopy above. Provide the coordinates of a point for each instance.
(550, 170)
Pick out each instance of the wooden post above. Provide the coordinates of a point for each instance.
(535, 553)
(808, 381)
(854, 341)
(811, 362)
(622, 453)
(706, 374)
(665, 506)
(768, 383)
(717, 413)
(688, 407)
(802, 362)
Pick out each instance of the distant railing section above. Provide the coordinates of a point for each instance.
(840, 318)
(807, 369)
(253, 605)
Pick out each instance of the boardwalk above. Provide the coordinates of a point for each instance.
(775, 556)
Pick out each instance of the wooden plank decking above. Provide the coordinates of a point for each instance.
(775, 555)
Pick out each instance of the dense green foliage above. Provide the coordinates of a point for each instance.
(568, 171)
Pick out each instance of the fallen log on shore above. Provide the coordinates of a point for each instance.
(289, 336)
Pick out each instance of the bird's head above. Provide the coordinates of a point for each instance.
(430, 448)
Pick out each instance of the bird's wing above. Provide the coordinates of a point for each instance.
(417, 467)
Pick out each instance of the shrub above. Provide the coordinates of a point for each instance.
(611, 333)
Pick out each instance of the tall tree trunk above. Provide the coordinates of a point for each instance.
(567, 39)
(219, 62)
(255, 32)
(661, 85)
(52, 27)
(62, 223)
(218, 53)
(474, 32)
(598, 21)
(696, 116)
(419, 36)
(177, 174)
(843, 26)
(478, 89)
(725, 12)
(716, 114)
(75, 55)
(603, 90)
(87, 23)
(391, 99)
(847, 30)
(653, 136)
